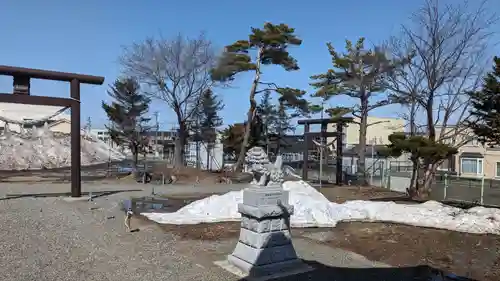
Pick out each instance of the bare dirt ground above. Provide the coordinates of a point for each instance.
(472, 256)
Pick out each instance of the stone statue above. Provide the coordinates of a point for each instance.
(257, 163)
(275, 171)
(265, 250)
(264, 172)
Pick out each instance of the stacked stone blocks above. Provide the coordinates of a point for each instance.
(265, 247)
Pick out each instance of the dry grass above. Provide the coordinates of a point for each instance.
(468, 255)
(344, 193)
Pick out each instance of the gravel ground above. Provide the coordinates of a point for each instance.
(52, 239)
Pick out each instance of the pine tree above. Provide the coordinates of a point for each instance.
(209, 120)
(232, 138)
(267, 112)
(126, 113)
(206, 116)
(282, 126)
(486, 108)
(423, 151)
(359, 74)
(269, 45)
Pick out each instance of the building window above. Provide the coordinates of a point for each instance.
(472, 166)
(498, 170)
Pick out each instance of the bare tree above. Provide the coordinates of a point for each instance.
(449, 43)
(177, 72)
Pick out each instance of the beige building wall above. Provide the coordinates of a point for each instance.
(486, 161)
(64, 126)
(473, 159)
(377, 134)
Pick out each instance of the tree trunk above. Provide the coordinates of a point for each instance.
(363, 124)
(413, 114)
(424, 190)
(209, 148)
(135, 154)
(241, 157)
(180, 143)
(412, 189)
(424, 187)
(251, 112)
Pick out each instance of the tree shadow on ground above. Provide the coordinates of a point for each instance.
(322, 272)
(95, 194)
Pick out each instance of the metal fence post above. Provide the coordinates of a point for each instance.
(382, 172)
(389, 177)
(482, 190)
(445, 186)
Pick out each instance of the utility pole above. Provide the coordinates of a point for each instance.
(88, 126)
(109, 143)
(321, 149)
(156, 114)
(198, 136)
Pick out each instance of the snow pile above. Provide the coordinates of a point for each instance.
(312, 209)
(40, 148)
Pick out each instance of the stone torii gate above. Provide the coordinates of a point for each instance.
(21, 94)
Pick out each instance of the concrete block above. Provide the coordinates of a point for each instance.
(265, 196)
(264, 255)
(274, 271)
(266, 239)
(76, 199)
(266, 211)
(260, 226)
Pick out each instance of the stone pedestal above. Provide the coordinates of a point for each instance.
(264, 248)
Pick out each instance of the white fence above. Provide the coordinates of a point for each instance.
(205, 156)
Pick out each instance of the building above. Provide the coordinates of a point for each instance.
(473, 160)
(101, 134)
(27, 112)
(378, 131)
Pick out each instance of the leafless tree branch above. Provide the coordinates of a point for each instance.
(175, 70)
(450, 43)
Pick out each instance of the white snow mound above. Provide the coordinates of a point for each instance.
(312, 209)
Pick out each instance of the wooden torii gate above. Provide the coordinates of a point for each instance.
(21, 94)
(339, 132)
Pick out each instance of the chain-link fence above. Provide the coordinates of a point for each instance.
(447, 186)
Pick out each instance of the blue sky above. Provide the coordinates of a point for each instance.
(87, 37)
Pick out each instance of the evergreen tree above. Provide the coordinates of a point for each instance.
(267, 112)
(269, 45)
(486, 108)
(359, 73)
(126, 112)
(209, 120)
(423, 151)
(282, 126)
(206, 116)
(232, 137)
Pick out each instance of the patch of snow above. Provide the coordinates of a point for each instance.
(41, 148)
(312, 209)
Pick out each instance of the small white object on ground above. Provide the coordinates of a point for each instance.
(312, 209)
